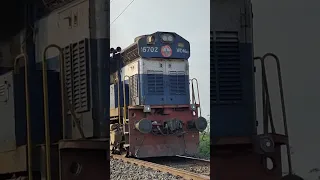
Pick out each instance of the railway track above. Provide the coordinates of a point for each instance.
(184, 167)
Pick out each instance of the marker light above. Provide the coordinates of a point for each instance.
(146, 108)
(166, 37)
(193, 107)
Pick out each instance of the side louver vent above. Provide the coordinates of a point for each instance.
(177, 82)
(155, 82)
(68, 71)
(130, 54)
(134, 89)
(76, 71)
(227, 65)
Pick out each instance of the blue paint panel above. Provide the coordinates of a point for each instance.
(156, 89)
(36, 108)
(52, 64)
(114, 99)
(237, 119)
(164, 89)
(180, 47)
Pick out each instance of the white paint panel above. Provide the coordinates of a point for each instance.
(148, 66)
(164, 66)
(177, 66)
(130, 69)
(62, 27)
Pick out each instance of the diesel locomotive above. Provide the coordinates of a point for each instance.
(53, 94)
(151, 111)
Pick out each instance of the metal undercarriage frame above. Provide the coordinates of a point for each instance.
(142, 145)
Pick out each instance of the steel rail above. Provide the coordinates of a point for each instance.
(174, 171)
(196, 159)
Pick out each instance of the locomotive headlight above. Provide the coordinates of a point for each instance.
(144, 126)
(150, 40)
(201, 124)
(166, 37)
(146, 108)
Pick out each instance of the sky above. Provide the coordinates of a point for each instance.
(290, 29)
(189, 19)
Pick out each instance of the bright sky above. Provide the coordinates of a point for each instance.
(189, 19)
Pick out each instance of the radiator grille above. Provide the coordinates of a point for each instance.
(177, 82)
(227, 67)
(3, 88)
(130, 54)
(134, 89)
(76, 69)
(155, 83)
(68, 71)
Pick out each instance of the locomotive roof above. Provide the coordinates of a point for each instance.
(145, 35)
(176, 48)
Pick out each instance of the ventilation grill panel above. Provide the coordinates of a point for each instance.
(76, 72)
(68, 71)
(155, 83)
(227, 68)
(177, 82)
(134, 89)
(3, 88)
(130, 54)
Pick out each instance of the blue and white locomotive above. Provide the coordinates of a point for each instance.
(155, 117)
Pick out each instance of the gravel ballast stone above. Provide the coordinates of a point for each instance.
(128, 171)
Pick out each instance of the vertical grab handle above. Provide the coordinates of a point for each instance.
(124, 100)
(64, 102)
(118, 99)
(27, 96)
(198, 93)
(46, 103)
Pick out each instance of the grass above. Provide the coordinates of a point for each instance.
(204, 150)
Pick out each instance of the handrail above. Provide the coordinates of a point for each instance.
(26, 84)
(267, 103)
(284, 115)
(64, 101)
(46, 105)
(119, 104)
(193, 96)
(124, 100)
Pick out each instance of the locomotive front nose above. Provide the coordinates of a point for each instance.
(144, 126)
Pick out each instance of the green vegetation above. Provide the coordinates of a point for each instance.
(205, 144)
